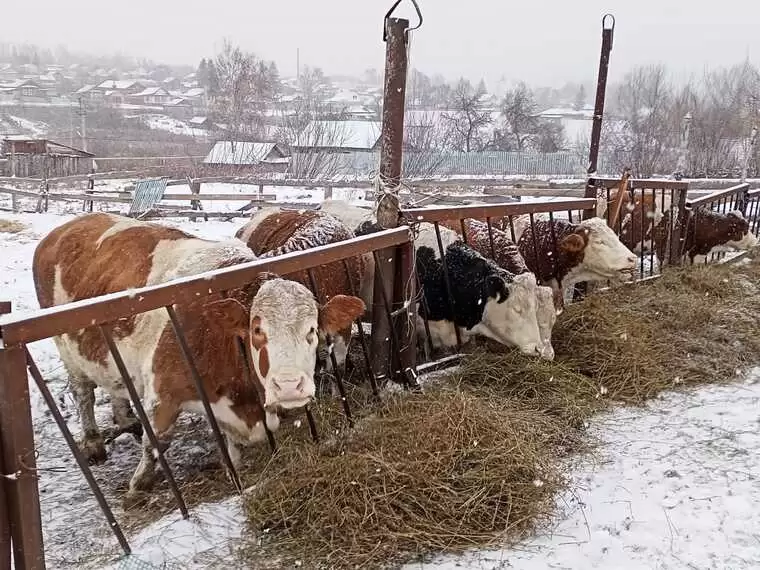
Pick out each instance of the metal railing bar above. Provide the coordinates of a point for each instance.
(147, 427)
(77, 453)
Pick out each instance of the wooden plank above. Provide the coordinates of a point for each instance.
(53, 321)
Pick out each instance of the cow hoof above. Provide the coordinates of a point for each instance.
(94, 450)
(134, 499)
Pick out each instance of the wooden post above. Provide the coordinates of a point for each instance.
(14, 202)
(390, 178)
(18, 463)
(328, 192)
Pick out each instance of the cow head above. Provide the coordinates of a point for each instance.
(283, 328)
(510, 313)
(735, 227)
(603, 254)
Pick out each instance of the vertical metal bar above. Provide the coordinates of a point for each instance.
(336, 372)
(391, 158)
(249, 377)
(362, 337)
(642, 229)
(601, 89)
(198, 381)
(18, 461)
(405, 293)
(81, 461)
(607, 191)
(490, 238)
(464, 230)
(312, 425)
(447, 282)
(5, 527)
(650, 225)
(535, 247)
(395, 346)
(512, 229)
(140, 411)
(425, 317)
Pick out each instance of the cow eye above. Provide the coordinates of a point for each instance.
(312, 335)
(257, 331)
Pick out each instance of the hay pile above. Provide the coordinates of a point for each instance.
(445, 470)
(11, 226)
(410, 479)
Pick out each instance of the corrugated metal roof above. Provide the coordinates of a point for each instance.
(238, 153)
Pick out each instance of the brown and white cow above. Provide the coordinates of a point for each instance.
(706, 232)
(586, 251)
(277, 232)
(98, 254)
(639, 214)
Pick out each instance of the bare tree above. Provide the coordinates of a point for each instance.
(425, 141)
(246, 86)
(519, 119)
(467, 119)
(311, 139)
(643, 137)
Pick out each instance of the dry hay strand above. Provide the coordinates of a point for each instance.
(11, 226)
(441, 471)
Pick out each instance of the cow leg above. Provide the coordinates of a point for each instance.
(125, 419)
(92, 445)
(559, 295)
(162, 417)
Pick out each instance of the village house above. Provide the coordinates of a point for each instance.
(247, 157)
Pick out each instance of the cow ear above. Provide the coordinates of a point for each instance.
(574, 243)
(497, 287)
(339, 312)
(229, 315)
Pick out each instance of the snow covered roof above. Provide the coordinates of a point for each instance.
(151, 91)
(238, 153)
(198, 120)
(194, 92)
(117, 85)
(340, 134)
(85, 89)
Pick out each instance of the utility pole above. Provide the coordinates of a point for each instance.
(83, 118)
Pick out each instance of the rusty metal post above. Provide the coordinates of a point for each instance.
(406, 292)
(5, 528)
(601, 90)
(19, 465)
(391, 158)
(678, 227)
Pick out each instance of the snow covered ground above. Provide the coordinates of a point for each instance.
(172, 125)
(674, 484)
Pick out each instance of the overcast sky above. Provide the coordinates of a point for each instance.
(543, 42)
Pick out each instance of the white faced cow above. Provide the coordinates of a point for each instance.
(97, 254)
(586, 251)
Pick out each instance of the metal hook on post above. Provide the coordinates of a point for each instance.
(406, 32)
